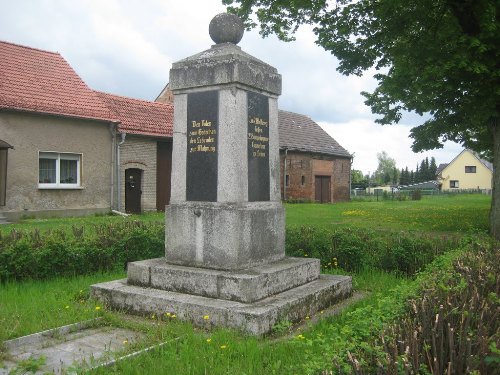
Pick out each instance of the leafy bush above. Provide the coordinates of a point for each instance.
(445, 321)
(416, 195)
(451, 326)
(357, 249)
(31, 254)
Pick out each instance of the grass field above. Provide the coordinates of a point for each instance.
(31, 306)
(447, 213)
(450, 213)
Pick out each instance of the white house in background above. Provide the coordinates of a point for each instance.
(466, 171)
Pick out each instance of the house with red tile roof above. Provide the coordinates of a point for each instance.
(54, 130)
(66, 149)
(144, 152)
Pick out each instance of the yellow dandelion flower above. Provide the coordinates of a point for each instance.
(173, 316)
(300, 337)
(307, 318)
(223, 346)
(125, 342)
(66, 307)
(206, 317)
(209, 340)
(97, 308)
(168, 314)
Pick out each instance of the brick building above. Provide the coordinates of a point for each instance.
(314, 166)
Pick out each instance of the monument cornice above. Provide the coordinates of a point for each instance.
(221, 65)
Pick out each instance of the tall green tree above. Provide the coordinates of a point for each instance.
(386, 170)
(433, 168)
(435, 57)
(358, 180)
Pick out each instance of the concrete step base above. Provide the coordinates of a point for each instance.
(253, 318)
(247, 285)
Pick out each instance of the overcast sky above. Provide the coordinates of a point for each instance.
(126, 47)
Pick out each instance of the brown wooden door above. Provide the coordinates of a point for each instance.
(3, 175)
(322, 188)
(163, 174)
(133, 190)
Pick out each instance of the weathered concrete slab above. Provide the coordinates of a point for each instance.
(247, 286)
(79, 345)
(254, 318)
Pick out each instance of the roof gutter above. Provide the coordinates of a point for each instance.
(350, 175)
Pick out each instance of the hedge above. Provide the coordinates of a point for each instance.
(87, 249)
(36, 255)
(355, 249)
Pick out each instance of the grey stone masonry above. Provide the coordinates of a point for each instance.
(223, 235)
(253, 318)
(224, 64)
(247, 286)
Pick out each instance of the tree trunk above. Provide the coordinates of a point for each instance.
(495, 201)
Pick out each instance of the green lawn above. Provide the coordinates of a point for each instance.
(450, 213)
(447, 213)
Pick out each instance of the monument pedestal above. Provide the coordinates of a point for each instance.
(252, 300)
(226, 236)
(225, 226)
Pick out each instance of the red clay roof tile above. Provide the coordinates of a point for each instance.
(41, 81)
(141, 116)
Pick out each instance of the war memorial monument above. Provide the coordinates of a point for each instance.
(225, 225)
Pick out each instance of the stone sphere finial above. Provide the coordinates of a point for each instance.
(226, 28)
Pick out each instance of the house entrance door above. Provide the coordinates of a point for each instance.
(163, 172)
(133, 190)
(322, 189)
(4, 148)
(3, 175)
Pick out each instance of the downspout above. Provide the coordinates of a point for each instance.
(112, 130)
(284, 174)
(118, 172)
(350, 175)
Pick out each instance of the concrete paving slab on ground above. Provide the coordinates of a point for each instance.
(79, 346)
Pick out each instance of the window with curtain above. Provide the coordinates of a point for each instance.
(58, 170)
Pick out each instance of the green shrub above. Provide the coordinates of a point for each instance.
(416, 195)
(34, 255)
(355, 249)
(448, 312)
(451, 326)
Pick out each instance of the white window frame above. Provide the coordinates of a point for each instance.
(58, 156)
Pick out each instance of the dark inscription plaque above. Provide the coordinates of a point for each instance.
(202, 129)
(258, 147)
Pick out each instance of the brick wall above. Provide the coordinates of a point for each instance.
(140, 152)
(302, 168)
(340, 179)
